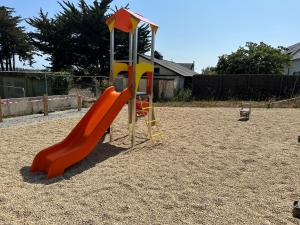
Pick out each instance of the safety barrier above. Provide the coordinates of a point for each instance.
(43, 104)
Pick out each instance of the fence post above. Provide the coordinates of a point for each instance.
(46, 84)
(96, 88)
(220, 88)
(1, 116)
(281, 80)
(45, 103)
(24, 94)
(79, 102)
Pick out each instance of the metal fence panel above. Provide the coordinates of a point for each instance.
(31, 84)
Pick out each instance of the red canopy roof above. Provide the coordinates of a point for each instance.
(126, 21)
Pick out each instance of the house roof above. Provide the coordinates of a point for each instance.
(187, 65)
(175, 67)
(293, 50)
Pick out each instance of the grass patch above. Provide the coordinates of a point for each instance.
(226, 104)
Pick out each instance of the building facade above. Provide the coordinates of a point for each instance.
(294, 67)
(169, 77)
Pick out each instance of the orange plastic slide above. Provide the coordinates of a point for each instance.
(84, 137)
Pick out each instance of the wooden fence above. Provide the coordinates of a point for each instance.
(245, 87)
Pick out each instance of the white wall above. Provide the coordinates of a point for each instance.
(294, 67)
(296, 56)
(27, 106)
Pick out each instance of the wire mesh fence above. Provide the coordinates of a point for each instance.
(25, 94)
(21, 84)
(13, 92)
(89, 87)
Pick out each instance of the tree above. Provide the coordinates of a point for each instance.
(210, 70)
(13, 40)
(254, 59)
(78, 37)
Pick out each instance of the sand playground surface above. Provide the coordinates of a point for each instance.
(211, 169)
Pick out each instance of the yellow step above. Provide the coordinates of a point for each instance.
(146, 108)
(152, 121)
(156, 134)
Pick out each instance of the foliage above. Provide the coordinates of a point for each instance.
(13, 40)
(183, 96)
(254, 59)
(59, 84)
(210, 70)
(103, 84)
(77, 38)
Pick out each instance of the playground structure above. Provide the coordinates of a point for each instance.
(127, 21)
(87, 133)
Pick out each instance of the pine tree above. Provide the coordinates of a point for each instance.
(13, 40)
(77, 38)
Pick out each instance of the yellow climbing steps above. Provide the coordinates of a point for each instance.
(154, 131)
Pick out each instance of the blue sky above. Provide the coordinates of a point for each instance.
(201, 30)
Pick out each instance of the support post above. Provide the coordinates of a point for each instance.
(133, 105)
(45, 103)
(130, 64)
(150, 113)
(46, 84)
(79, 102)
(112, 54)
(1, 115)
(111, 75)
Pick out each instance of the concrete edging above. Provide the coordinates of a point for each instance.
(33, 105)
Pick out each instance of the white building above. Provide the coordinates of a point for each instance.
(169, 77)
(294, 52)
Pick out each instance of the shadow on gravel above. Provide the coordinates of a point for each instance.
(102, 152)
(243, 119)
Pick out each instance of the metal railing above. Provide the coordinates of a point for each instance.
(38, 84)
(85, 86)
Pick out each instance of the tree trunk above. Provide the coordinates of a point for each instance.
(2, 65)
(1, 62)
(6, 62)
(9, 62)
(14, 62)
(98, 68)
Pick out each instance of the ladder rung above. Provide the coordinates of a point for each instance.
(154, 136)
(152, 121)
(146, 108)
(157, 134)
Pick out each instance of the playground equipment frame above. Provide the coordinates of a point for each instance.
(131, 28)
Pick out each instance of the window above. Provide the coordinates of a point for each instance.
(156, 70)
(296, 73)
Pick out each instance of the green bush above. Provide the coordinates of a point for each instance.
(58, 85)
(183, 96)
(103, 84)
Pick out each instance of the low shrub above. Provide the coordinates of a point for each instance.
(184, 95)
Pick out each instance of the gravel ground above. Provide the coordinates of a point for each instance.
(211, 169)
(36, 118)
